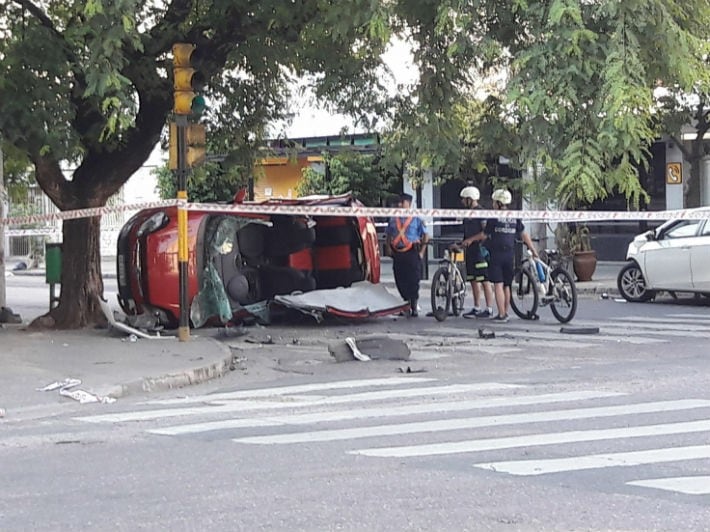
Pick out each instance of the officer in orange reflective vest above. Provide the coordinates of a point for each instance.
(407, 238)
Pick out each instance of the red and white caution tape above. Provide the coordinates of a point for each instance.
(385, 212)
(83, 213)
(375, 212)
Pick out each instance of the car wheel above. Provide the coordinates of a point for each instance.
(632, 285)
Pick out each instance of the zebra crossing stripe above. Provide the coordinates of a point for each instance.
(390, 411)
(293, 401)
(598, 461)
(698, 485)
(297, 388)
(473, 422)
(532, 440)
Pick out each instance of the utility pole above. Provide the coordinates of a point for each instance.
(3, 298)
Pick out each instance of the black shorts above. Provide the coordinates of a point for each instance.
(500, 269)
(476, 265)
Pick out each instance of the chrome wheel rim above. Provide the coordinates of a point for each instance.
(633, 283)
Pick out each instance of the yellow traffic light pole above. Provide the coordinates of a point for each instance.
(183, 137)
(183, 250)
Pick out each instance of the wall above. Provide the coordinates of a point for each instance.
(277, 178)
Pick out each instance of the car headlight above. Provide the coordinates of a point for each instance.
(155, 222)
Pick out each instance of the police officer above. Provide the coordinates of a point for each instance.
(476, 256)
(501, 236)
(407, 237)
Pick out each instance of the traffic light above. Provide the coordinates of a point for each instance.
(187, 80)
(195, 146)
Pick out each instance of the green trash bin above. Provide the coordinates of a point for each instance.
(53, 263)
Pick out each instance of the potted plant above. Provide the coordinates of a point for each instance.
(584, 258)
(574, 244)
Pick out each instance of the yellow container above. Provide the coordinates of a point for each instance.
(457, 256)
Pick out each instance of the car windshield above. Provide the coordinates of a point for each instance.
(680, 229)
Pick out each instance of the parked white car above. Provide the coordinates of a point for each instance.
(674, 257)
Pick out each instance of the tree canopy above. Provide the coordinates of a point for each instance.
(91, 82)
(568, 87)
(362, 174)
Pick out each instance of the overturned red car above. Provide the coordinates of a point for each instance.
(241, 263)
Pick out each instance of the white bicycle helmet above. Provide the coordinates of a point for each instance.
(470, 192)
(502, 196)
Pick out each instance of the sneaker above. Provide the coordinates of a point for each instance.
(483, 314)
(473, 313)
(500, 319)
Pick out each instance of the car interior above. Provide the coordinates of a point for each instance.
(290, 254)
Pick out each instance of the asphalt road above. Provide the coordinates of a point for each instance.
(530, 430)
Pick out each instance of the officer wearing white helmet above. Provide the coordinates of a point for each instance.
(476, 256)
(502, 235)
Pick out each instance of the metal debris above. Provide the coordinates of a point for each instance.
(356, 352)
(579, 330)
(486, 334)
(408, 369)
(56, 385)
(82, 396)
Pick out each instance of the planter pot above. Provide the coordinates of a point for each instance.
(584, 263)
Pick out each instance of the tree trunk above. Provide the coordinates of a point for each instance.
(82, 284)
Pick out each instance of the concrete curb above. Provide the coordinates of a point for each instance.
(180, 379)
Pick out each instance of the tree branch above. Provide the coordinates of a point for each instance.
(686, 153)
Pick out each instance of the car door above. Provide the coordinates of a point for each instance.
(667, 259)
(700, 259)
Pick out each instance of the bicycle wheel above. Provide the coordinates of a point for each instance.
(440, 294)
(564, 304)
(458, 296)
(523, 295)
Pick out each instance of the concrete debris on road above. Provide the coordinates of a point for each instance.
(369, 348)
(8, 316)
(268, 340)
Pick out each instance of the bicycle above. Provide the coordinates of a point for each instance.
(448, 288)
(539, 283)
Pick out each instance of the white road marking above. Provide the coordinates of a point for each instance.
(664, 321)
(598, 461)
(392, 411)
(296, 401)
(531, 440)
(699, 485)
(544, 333)
(474, 422)
(691, 331)
(298, 388)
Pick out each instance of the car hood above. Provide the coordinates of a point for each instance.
(361, 300)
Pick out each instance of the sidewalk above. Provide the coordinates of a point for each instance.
(107, 364)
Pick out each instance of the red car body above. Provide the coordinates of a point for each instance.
(269, 255)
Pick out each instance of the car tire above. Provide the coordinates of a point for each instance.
(632, 285)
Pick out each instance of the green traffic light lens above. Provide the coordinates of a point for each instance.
(198, 105)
